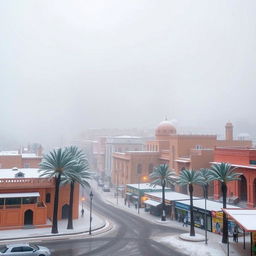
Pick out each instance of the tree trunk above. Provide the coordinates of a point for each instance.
(163, 203)
(56, 205)
(206, 190)
(71, 199)
(192, 227)
(225, 221)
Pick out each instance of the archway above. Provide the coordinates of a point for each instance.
(64, 213)
(243, 188)
(254, 192)
(183, 189)
(28, 217)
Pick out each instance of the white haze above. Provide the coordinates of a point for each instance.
(70, 65)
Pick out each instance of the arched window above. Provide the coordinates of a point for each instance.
(150, 168)
(48, 198)
(139, 169)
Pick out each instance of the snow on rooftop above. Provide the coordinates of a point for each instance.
(30, 155)
(244, 217)
(9, 153)
(210, 205)
(144, 186)
(238, 165)
(170, 195)
(14, 195)
(28, 173)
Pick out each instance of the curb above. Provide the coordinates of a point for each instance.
(106, 225)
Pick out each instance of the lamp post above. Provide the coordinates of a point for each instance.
(205, 216)
(90, 229)
(138, 193)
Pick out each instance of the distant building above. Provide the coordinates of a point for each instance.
(106, 146)
(11, 159)
(179, 151)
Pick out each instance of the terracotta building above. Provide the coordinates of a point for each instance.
(27, 199)
(177, 150)
(243, 191)
(11, 159)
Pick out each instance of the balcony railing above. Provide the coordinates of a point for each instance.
(26, 182)
(15, 206)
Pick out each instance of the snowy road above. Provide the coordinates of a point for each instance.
(131, 237)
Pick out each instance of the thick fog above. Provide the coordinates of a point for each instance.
(66, 66)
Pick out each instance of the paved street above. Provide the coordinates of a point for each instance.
(131, 236)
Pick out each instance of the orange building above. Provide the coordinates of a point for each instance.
(177, 150)
(10, 159)
(244, 160)
(27, 199)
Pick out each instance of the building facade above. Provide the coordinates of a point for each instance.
(179, 151)
(242, 191)
(27, 199)
(106, 146)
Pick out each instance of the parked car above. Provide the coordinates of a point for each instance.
(24, 249)
(100, 183)
(106, 188)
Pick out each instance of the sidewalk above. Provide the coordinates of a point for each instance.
(213, 248)
(81, 225)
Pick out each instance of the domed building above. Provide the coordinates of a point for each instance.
(165, 128)
(179, 151)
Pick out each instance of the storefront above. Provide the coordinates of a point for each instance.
(217, 223)
(153, 207)
(212, 209)
(135, 193)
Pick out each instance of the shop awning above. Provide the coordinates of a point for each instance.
(19, 195)
(152, 202)
(135, 197)
(245, 218)
(128, 193)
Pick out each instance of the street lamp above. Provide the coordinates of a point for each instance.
(90, 229)
(205, 214)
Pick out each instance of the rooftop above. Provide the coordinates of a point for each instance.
(210, 205)
(28, 173)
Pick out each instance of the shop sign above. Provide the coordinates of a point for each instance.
(182, 206)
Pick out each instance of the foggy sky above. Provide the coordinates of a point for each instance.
(70, 65)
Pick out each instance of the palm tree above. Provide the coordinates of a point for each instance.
(207, 179)
(224, 173)
(54, 165)
(162, 176)
(190, 178)
(78, 173)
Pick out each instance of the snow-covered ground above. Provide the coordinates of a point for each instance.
(189, 248)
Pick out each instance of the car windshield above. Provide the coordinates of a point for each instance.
(35, 247)
(3, 249)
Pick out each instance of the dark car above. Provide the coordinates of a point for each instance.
(106, 188)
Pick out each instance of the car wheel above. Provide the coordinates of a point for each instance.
(41, 255)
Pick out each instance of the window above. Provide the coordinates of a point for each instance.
(150, 168)
(19, 175)
(3, 249)
(17, 249)
(1, 201)
(26, 165)
(198, 147)
(139, 169)
(48, 198)
(12, 201)
(27, 249)
(29, 200)
(253, 162)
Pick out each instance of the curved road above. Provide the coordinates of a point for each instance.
(130, 237)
